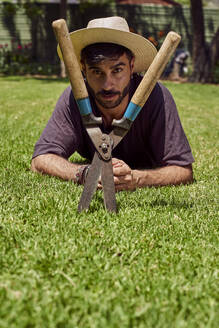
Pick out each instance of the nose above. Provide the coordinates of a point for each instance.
(107, 82)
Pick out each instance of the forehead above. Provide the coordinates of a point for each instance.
(110, 62)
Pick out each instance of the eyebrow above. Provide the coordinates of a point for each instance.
(119, 64)
(112, 67)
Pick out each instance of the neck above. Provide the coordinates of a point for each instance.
(113, 113)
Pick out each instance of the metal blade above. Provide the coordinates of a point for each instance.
(108, 186)
(120, 128)
(91, 183)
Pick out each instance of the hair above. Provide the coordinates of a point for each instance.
(97, 52)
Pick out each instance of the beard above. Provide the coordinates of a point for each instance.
(108, 104)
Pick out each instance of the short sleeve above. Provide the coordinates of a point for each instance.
(168, 140)
(59, 136)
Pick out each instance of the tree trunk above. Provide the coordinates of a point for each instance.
(63, 13)
(215, 49)
(204, 56)
(198, 27)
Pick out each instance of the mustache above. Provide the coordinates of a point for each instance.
(108, 92)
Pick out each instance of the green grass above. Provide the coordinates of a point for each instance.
(153, 264)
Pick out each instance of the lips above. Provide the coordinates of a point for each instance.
(108, 94)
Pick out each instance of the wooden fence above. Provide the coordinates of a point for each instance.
(147, 20)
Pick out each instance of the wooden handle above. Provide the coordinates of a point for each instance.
(71, 63)
(156, 69)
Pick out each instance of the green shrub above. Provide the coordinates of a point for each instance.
(19, 61)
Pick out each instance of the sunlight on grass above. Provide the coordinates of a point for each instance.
(153, 264)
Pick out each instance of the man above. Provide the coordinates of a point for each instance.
(155, 151)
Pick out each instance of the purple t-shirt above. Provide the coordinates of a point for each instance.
(155, 139)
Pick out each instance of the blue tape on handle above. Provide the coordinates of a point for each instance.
(132, 111)
(84, 106)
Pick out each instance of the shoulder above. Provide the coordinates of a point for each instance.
(66, 102)
(66, 95)
(159, 94)
(160, 104)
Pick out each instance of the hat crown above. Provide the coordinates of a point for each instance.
(115, 22)
(114, 29)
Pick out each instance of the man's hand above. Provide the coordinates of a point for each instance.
(127, 179)
(123, 176)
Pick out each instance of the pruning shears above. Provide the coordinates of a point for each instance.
(101, 165)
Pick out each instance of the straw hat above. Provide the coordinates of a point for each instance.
(114, 30)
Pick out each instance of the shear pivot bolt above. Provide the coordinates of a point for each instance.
(104, 148)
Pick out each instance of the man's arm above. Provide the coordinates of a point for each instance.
(127, 179)
(124, 177)
(55, 165)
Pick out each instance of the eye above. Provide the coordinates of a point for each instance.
(96, 72)
(117, 70)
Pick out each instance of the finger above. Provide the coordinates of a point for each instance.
(124, 186)
(117, 162)
(124, 179)
(120, 187)
(121, 170)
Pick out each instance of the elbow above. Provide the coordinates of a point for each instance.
(182, 175)
(188, 177)
(35, 165)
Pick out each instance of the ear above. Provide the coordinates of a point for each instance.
(132, 62)
(83, 68)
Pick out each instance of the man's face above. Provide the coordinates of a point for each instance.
(109, 80)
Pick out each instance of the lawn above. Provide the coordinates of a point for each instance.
(153, 264)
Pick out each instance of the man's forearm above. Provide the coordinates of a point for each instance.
(124, 177)
(127, 179)
(168, 175)
(55, 165)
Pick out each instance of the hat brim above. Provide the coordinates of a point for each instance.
(143, 50)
